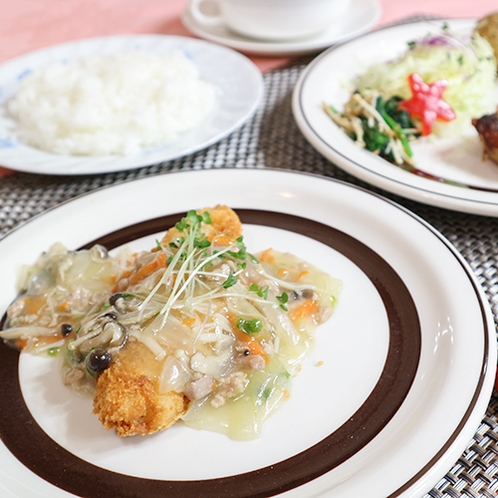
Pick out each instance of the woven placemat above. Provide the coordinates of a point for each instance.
(271, 139)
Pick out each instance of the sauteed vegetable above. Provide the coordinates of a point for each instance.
(197, 328)
(436, 87)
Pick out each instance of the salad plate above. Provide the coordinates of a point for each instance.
(361, 16)
(449, 173)
(238, 85)
(368, 411)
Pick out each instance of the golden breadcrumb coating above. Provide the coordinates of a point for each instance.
(224, 221)
(127, 396)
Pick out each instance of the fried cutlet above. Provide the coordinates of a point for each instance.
(224, 221)
(127, 396)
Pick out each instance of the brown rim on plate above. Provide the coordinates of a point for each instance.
(477, 393)
(38, 452)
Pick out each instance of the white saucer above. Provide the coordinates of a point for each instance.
(359, 18)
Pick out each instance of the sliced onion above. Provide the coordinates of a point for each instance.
(151, 343)
(210, 365)
(174, 376)
(26, 332)
(173, 333)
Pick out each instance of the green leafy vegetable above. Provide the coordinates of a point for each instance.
(378, 125)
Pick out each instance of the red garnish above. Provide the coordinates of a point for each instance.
(427, 102)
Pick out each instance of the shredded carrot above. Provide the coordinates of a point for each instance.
(301, 275)
(267, 256)
(222, 239)
(147, 270)
(308, 308)
(252, 344)
(282, 272)
(63, 306)
(124, 275)
(44, 341)
(21, 343)
(33, 304)
(189, 321)
(286, 394)
(50, 339)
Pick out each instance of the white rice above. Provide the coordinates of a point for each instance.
(114, 104)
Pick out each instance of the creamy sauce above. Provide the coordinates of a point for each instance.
(228, 329)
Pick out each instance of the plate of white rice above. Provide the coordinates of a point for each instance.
(116, 103)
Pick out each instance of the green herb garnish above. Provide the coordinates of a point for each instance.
(250, 327)
(263, 293)
(230, 281)
(283, 299)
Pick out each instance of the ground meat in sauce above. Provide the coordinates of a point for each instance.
(107, 346)
(199, 387)
(229, 387)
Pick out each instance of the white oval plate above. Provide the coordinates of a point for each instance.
(451, 172)
(238, 82)
(340, 228)
(361, 16)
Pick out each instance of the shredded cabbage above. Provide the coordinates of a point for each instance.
(468, 66)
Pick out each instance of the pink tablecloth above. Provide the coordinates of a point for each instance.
(26, 25)
(29, 24)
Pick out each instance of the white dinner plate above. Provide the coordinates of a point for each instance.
(390, 397)
(449, 173)
(239, 90)
(360, 16)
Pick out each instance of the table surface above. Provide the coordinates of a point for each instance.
(29, 24)
(26, 25)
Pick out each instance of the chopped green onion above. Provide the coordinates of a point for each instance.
(250, 327)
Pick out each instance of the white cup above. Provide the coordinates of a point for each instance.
(272, 20)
